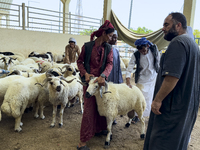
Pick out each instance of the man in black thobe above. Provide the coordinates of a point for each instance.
(176, 95)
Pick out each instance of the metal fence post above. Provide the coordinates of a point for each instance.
(70, 27)
(102, 21)
(23, 16)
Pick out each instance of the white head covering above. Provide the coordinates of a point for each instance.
(190, 32)
(72, 40)
(115, 32)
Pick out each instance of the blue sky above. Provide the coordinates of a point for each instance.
(145, 13)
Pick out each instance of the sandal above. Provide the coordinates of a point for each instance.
(135, 120)
(83, 148)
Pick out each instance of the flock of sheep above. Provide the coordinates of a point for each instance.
(43, 78)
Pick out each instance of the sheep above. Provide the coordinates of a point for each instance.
(27, 61)
(44, 96)
(7, 53)
(5, 83)
(48, 56)
(20, 94)
(76, 90)
(122, 65)
(58, 95)
(8, 62)
(59, 66)
(45, 65)
(24, 68)
(126, 61)
(118, 100)
(20, 73)
(58, 58)
(20, 57)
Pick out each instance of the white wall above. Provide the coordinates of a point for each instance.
(25, 41)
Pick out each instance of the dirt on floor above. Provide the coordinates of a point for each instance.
(37, 134)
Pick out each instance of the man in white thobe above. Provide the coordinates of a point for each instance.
(146, 60)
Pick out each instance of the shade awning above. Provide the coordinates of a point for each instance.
(130, 37)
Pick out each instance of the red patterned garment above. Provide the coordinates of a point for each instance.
(92, 122)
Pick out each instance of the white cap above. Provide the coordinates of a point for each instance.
(190, 32)
(115, 32)
(72, 40)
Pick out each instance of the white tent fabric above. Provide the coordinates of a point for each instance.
(130, 37)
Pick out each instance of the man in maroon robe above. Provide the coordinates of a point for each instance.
(96, 59)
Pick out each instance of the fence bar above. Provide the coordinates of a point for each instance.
(70, 27)
(23, 16)
(19, 15)
(64, 18)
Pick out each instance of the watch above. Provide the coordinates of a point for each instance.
(103, 75)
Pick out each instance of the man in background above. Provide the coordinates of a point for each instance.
(70, 51)
(147, 60)
(116, 73)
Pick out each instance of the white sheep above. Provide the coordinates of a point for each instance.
(58, 58)
(126, 61)
(117, 99)
(27, 61)
(44, 96)
(8, 62)
(122, 65)
(20, 94)
(20, 57)
(58, 95)
(76, 89)
(23, 68)
(5, 83)
(20, 73)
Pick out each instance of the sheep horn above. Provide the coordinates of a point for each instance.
(3, 58)
(62, 78)
(66, 66)
(13, 58)
(76, 70)
(62, 83)
(15, 72)
(45, 81)
(84, 84)
(39, 84)
(106, 88)
(60, 69)
(40, 67)
(101, 91)
(36, 70)
(48, 73)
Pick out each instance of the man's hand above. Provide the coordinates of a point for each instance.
(100, 80)
(128, 82)
(155, 107)
(87, 77)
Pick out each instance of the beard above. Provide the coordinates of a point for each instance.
(172, 33)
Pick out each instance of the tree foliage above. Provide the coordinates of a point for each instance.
(88, 31)
(141, 30)
(196, 33)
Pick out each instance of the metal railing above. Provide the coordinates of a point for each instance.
(38, 19)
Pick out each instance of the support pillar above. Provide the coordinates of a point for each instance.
(107, 9)
(189, 11)
(65, 14)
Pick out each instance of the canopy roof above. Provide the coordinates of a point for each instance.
(130, 37)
